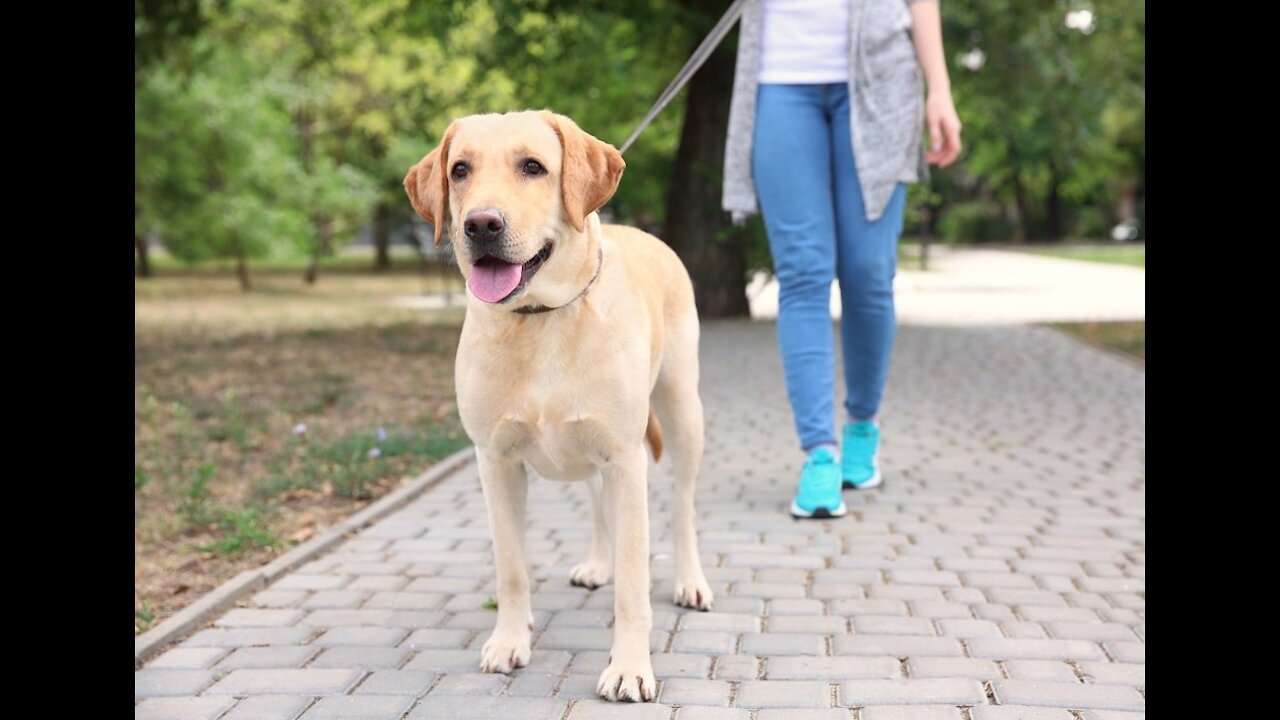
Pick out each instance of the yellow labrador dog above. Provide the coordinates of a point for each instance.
(580, 343)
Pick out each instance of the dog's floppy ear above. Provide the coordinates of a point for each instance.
(428, 186)
(589, 172)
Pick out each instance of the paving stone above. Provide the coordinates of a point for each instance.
(1019, 712)
(397, 682)
(358, 707)
(770, 644)
(602, 710)
(306, 681)
(150, 682)
(712, 713)
(1040, 670)
(707, 643)
(181, 708)
(279, 656)
(686, 691)
(952, 667)
(1014, 649)
(368, 658)
(1103, 673)
(362, 636)
(1068, 695)
(269, 707)
(471, 684)
(889, 625)
(897, 646)
(925, 691)
(736, 667)
(182, 658)
(462, 707)
(911, 712)
(260, 617)
(783, 694)
(249, 637)
(832, 668)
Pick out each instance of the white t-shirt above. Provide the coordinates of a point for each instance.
(805, 42)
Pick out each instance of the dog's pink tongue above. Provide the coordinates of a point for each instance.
(493, 279)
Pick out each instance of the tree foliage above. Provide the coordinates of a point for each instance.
(280, 129)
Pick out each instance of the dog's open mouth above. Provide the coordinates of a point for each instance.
(495, 280)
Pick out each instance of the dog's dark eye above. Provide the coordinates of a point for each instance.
(533, 167)
(459, 171)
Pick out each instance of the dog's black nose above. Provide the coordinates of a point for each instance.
(483, 225)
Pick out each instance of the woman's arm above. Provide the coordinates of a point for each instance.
(939, 109)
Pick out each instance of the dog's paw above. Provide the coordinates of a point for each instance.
(504, 652)
(626, 681)
(590, 575)
(694, 593)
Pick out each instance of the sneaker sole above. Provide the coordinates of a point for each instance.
(873, 482)
(818, 513)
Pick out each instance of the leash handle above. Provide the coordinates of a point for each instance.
(696, 61)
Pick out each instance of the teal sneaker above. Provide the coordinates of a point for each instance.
(860, 455)
(818, 495)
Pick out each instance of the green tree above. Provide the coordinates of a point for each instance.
(161, 29)
(217, 168)
(1034, 110)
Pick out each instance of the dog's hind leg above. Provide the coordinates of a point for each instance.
(679, 409)
(599, 564)
(506, 485)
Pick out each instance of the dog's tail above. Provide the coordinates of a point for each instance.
(653, 433)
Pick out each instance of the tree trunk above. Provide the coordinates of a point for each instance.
(1024, 207)
(143, 268)
(306, 127)
(1053, 205)
(242, 271)
(697, 228)
(382, 237)
(324, 241)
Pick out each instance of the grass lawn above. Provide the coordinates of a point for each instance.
(263, 418)
(1129, 338)
(1116, 254)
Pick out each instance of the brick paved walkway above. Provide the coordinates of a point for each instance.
(997, 574)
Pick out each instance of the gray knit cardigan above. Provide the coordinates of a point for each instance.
(886, 108)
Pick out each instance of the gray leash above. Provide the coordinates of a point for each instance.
(699, 57)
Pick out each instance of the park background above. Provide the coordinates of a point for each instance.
(294, 334)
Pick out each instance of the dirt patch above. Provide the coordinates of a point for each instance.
(262, 419)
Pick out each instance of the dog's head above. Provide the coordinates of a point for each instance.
(514, 193)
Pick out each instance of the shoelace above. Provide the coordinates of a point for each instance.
(814, 478)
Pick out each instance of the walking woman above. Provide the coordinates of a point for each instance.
(826, 127)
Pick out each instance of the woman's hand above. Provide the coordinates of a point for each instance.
(939, 110)
(944, 128)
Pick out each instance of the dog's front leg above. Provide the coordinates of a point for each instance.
(630, 673)
(506, 489)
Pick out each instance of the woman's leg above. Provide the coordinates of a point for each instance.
(791, 163)
(867, 259)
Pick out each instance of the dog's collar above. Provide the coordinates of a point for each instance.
(534, 309)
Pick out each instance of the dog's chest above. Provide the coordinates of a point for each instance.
(565, 409)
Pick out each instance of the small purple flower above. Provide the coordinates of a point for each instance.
(382, 433)
(300, 429)
(375, 453)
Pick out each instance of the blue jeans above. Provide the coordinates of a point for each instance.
(811, 200)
